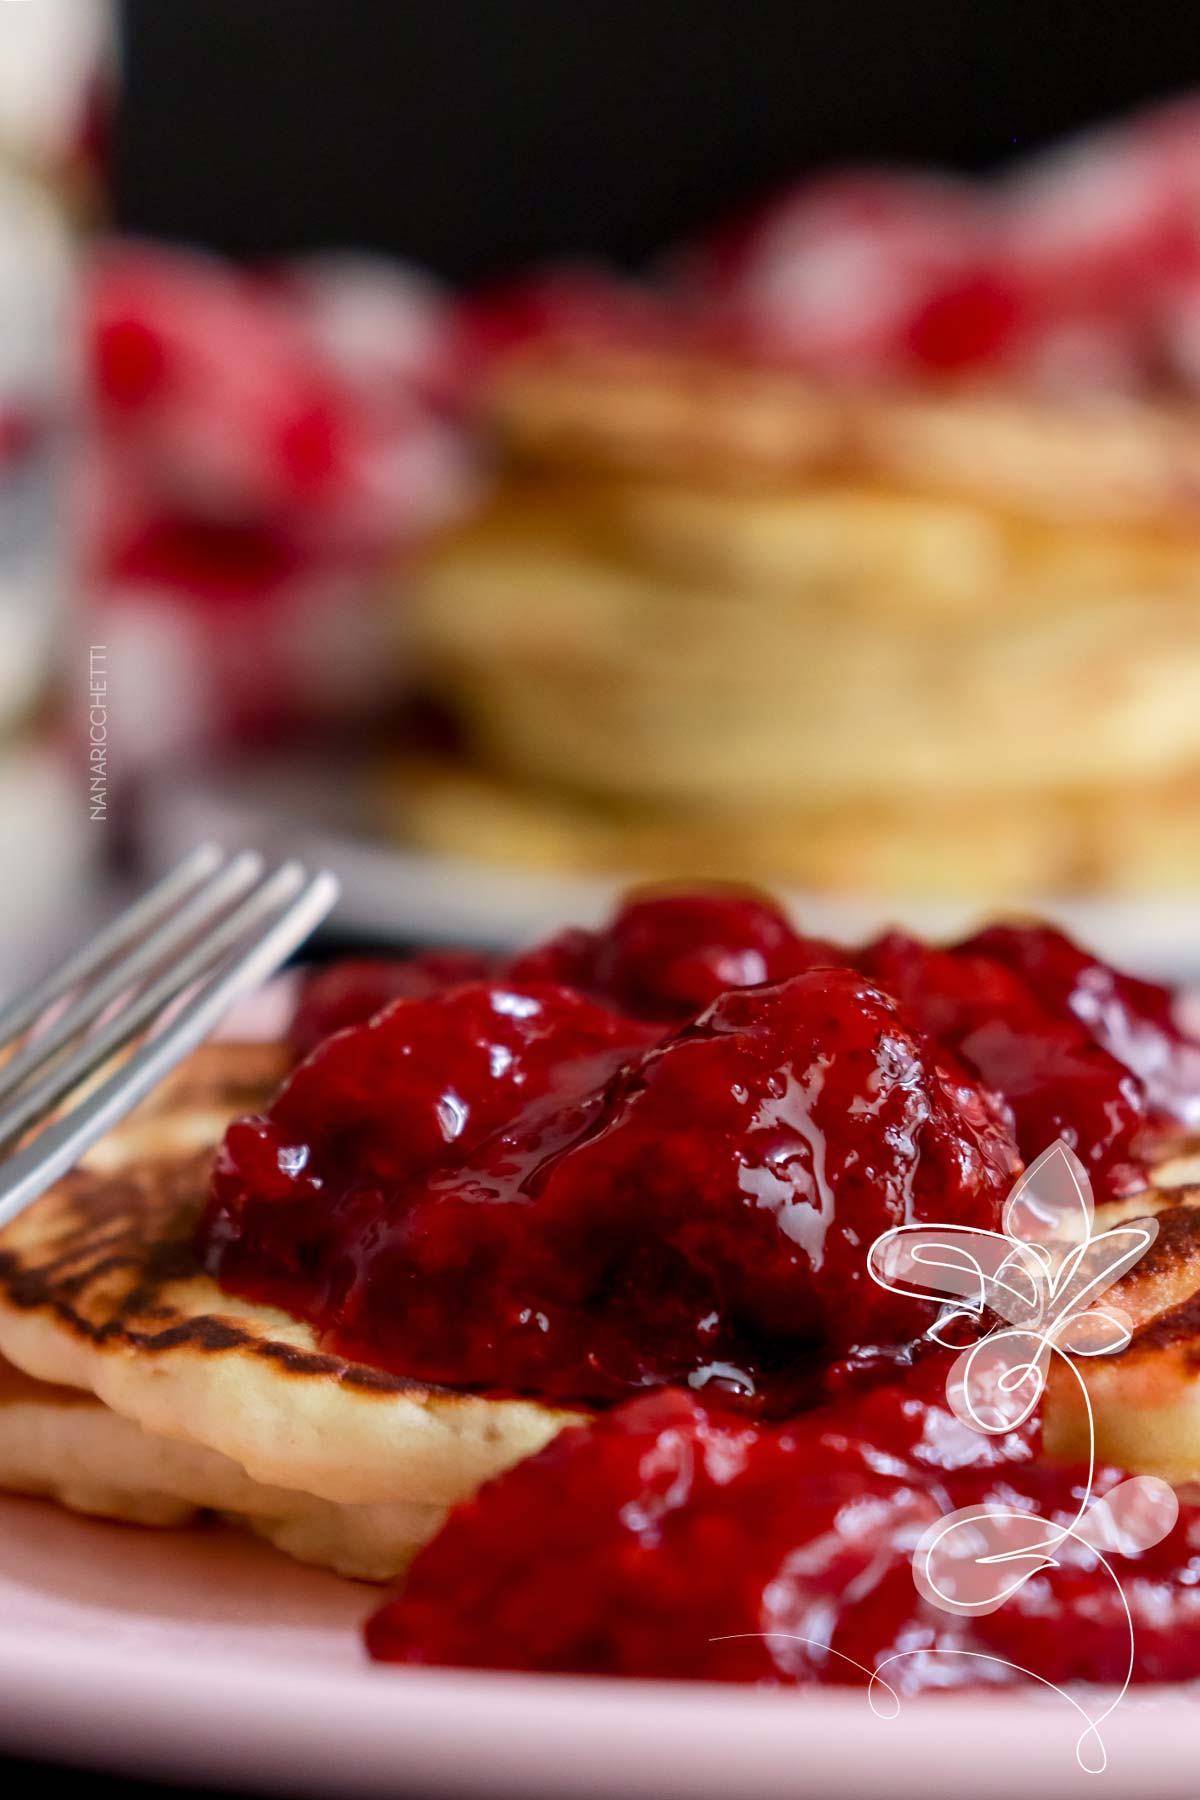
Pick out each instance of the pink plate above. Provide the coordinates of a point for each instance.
(206, 1656)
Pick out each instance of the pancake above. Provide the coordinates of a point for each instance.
(218, 1403)
(935, 848)
(632, 412)
(653, 694)
(62, 1444)
(1145, 1400)
(882, 550)
(849, 542)
(681, 416)
(817, 545)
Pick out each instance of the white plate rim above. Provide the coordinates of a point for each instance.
(393, 894)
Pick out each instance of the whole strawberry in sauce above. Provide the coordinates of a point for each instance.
(669, 952)
(1058, 1080)
(1134, 1021)
(375, 1109)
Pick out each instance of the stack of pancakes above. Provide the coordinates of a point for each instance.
(729, 622)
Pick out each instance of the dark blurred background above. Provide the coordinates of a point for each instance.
(475, 135)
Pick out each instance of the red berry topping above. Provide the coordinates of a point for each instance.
(1059, 1082)
(668, 954)
(374, 1111)
(659, 1152)
(968, 324)
(1134, 1021)
(352, 991)
(668, 1540)
(501, 1205)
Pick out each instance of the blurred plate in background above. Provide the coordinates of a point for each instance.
(396, 897)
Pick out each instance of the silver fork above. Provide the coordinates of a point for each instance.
(167, 969)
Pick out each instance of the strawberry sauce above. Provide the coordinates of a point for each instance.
(659, 1152)
(516, 1185)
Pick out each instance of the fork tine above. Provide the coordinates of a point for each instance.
(38, 1099)
(55, 1150)
(176, 931)
(23, 1009)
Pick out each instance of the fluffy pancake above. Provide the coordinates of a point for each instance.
(621, 684)
(886, 551)
(221, 1403)
(635, 413)
(1140, 839)
(63, 1444)
(815, 545)
(676, 415)
(934, 849)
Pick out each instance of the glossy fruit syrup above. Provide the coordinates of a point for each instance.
(659, 1152)
(512, 1186)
